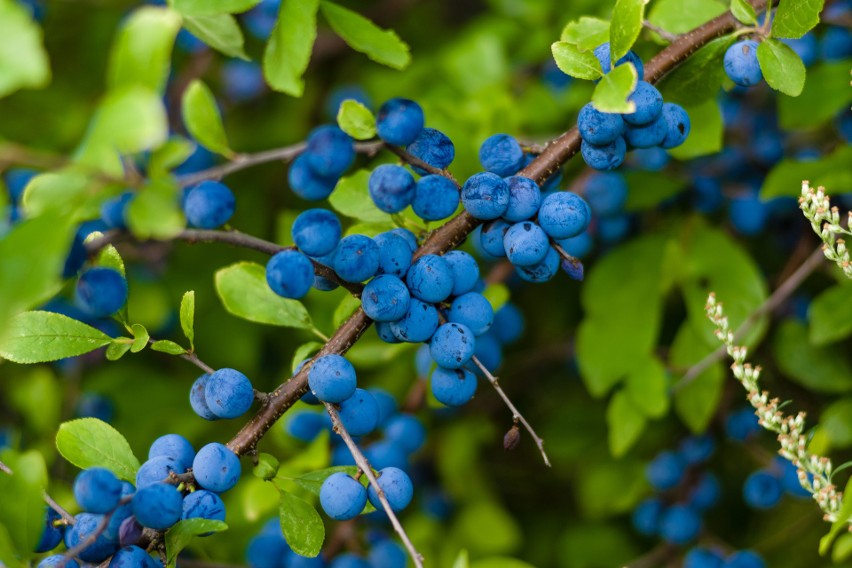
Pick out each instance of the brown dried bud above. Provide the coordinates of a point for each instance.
(512, 438)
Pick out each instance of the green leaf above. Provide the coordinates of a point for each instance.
(62, 190)
(681, 16)
(699, 78)
(836, 423)
(37, 337)
(706, 134)
(221, 32)
(171, 154)
(497, 295)
(781, 66)
(8, 555)
(462, 560)
(187, 316)
(109, 256)
(244, 292)
(89, 442)
(289, 49)
(744, 12)
(649, 189)
(576, 63)
(304, 351)
(819, 369)
(202, 119)
(140, 337)
(118, 348)
(313, 480)
(586, 33)
(356, 120)
(345, 309)
(627, 17)
(22, 512)
(211, 7)
(166, 346)
(182, 532)
(829, 171)
(351, 197)
(626, 423)
(37, 397)
(382, 46)
(647, 386)
(830, 315)
(610, 94)
(826, 93)
(301, 524)
(141, 54)
(155, 212)
(795, 18)
(696, 402)
(841, 523)
(23, 59)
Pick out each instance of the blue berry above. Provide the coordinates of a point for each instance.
(706, 492)
(386, 402)
(526, 244)
(157, 506)
(702, 558)
(296, 561)
(197, 399)
(385, 298)
(356, 258)
(485, 195)
(101, 291)
(491, 237)
(748, 214)
(156, 470)
(76, 256)
(407, 235)
(598, 127)
(649, 104)
(433, 147)
(677, 125)
(508, 324)
(680, 524)
(349, 560)
(391, 188)
(97, 490)
(606, 156)
(386, 454)
(836, 43)
(418, 324)
(602, 52)
(57, 560)
(332, 378)
(465, 271)
(174, 446)
(435, 197)
(242, 80)
(646, 516)
(132, 557)
(501, 154)
(394, 253)
(397, 487)
(762, 490)
(385, 333)
(453, 387)
(290, 274)
(228, 393)
(665, 471)
(452, 345)
(543, 271)
(489, 352)
(789, 477)
(406, 431)
(342, 497)
(360, 413)
(306, 183)
(216, 468)
(52, 534)
(316, 232)
(329, 151)
(387, 554)
(121, 514)
(203, 504)
(399, 121)
(646, 135)
(697, 449)
(209, 204)
(16, 182)
(307, 425)
(130, 531)
(742, 424)
(606, 193)
(473, 310)
(114, 211)
(564, 214)
(340, 94)
(87, 524)
(268, 550)
(651, 159)
(741, 63)
(524, 199)
(430, 279)
(744, 559)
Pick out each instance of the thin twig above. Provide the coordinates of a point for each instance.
(72, 552)
(668, 36)
(415, 161)
(362, 462)
(516, 415)
(193, 358)
(5, 468)
(68, 517)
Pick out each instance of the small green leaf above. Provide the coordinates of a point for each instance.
(38, 337)
(187, 317)
(627, 17)
(820, 369)
(830, 315)
(829, 171)
(497, 295)
(586, 33)
(118, 348)
(649, 189)
(744, 12)
(171, 154)
(289, 49)
(22, 513)
(700, 77)
(211, 7)
(795, 18)
(221, 32)
(345, 309)
(462, 560)
(707, 131)
(23, 59)
(382, 46)
(313, 480)
(647, 387)
(202, 119)
(155, 212)
(301, 524)
(576, 63)
(109, 256)
(781, 66)
(129, 119)
(166, 346)
(682, 16)
(610, 94)
(826, 94)
(351, 197)
(356, 120)
(304, 351)
(625, 422)
(140, 337)
(141, 54)
(244, 292)
(89, 442)
(182, 532)
(266, 467)
(841, 523)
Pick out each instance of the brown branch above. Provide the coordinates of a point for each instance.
(66, 516)
(415, 161)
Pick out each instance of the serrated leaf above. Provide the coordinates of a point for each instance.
(781, 66)
(795, 18)
(345, 309)
(182, 532)
(351, 197)
(202, 118)
(38, 337)
(289, 49)
(304, 351)
(89, 442)
(576, 63)
(625, 422)
(382, 46)
(699, 78)
(626, 24)
(166, 346)
(118, 348)
(586, 33)
(244, 292)
(356, 120)
(140, 337)
(841, 523)
(313, 480)
(744, 12)
(141, 54)
(210, 7)
(23, 59)
(220, 31)
(830, 315)
(301, 524)
(187, 317)
(610, 94)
